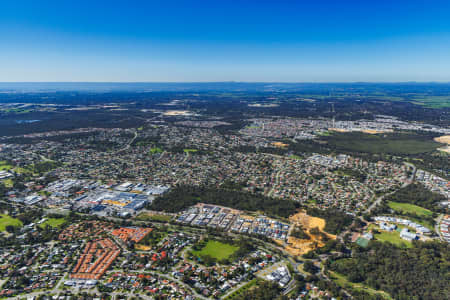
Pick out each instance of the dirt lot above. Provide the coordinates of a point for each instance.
(445, 139)
(279, 144)
(300, 246)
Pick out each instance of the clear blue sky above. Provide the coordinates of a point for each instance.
(224, 40)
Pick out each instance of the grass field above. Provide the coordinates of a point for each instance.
(342, 281)
(423, 223)
(190, 150)
(382, 143)
(155, 150)
(216, 250)
(53, 222)
(6, 220)
(20, 170)
(394, 238)
(4, 166)
(432, 101)
(158, 218)
(8, 183)
(410, 208)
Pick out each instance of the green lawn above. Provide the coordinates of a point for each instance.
(4, 166)
(423, 223)
(342, 281)
(8, 183)
(410, 208)
(53, 222)
(6, 220)
(155, 150)
(394, 238)
(432, 101)
(158, 218)
(325, 133)
(20, 170)
(217, 250)
(190, 150)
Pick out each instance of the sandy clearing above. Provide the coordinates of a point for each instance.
(338, 130)
(176, 113)
(445, 139)
(280, 144)
(298, 246)
(371, 131)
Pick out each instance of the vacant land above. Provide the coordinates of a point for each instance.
(410, 208)
(53, 222)
(301, 246)
(217, 250)
(445, 139)
(6, 220)
(382, 143)
(153, 217)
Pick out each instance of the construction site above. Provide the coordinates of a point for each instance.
(296, 246)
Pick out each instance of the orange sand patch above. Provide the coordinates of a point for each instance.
(142, 247)
(280, 144)
(338, 130)
(371, 131)
(445, 139)
(299, 246)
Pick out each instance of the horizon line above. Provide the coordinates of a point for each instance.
(229, 81)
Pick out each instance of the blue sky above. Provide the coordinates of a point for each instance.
(219, 40)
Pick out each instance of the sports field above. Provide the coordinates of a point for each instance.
(394, 238)
(4, 166)
(53, 222)
(217, 250)
(410, 208)
(156, 150)
(6, 220)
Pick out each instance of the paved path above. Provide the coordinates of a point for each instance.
(128, 144)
